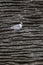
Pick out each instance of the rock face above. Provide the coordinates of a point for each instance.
(26, 46)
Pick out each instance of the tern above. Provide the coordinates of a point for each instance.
(17, 26)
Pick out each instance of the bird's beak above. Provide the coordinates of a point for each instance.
(21, 23)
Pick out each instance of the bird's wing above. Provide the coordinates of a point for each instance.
(16, 27)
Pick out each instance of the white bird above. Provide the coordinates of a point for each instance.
(17, 26)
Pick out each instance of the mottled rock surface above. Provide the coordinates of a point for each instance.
(24, 47)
